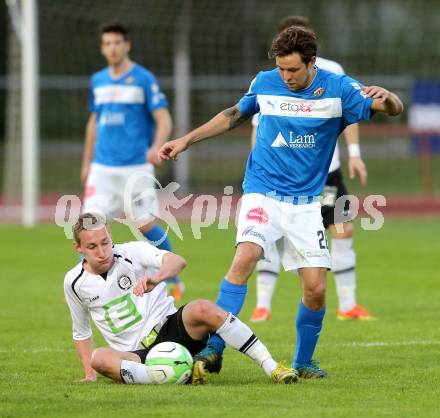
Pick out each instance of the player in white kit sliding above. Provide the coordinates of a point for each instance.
(121, 287)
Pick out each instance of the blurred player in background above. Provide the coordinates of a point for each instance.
(128, 123)
(342, 253)
(121, 287)
(303, 110)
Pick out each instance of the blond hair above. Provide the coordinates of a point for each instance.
(87, 221)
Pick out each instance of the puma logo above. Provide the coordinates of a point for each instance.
(272, 104)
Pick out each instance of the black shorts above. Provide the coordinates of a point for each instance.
(174, 330)
(333, 189)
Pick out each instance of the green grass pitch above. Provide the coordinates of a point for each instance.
(384, 368)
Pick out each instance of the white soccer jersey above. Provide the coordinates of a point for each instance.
(335, 68)
(123, 318)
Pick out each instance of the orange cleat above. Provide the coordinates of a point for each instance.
(358, 312)
(175, 290)
(260, 315)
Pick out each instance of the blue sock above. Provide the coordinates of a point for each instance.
(308, 328)
(231, 298)
(157, 234)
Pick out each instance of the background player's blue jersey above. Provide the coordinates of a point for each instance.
(297, 131)
(124, 108)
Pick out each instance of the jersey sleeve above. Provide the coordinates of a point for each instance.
(155, 99)
(248, 104)
(356, 105)
(146, 254)
(81, 329)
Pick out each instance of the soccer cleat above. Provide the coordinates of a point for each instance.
(198, 376)
(358, 312)
(175, 290)
(211, 359)
(283, 374)
(260, 315)
(311, 370)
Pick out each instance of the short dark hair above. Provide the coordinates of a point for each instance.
(115, 27)
(293, 20)
(87, 221)
(295, 39)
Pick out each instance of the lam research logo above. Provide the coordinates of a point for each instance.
(110, 118)
(295, 140)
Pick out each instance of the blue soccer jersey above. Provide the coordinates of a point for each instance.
(124, 108)
(297, 131)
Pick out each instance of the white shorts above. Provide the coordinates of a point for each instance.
(130, 190)
(297, 230)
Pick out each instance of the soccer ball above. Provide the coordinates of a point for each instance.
(169, 362)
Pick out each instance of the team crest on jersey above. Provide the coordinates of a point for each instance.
(124, 282)
(318, 92)
(258, 215)
(129, 80)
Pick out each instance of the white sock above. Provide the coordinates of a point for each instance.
(132, 372)
(268, 270)
(239, 336)
(344, 263)
(266, 282)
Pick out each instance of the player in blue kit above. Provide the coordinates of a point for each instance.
(342, 253)
(303, 110)
(129, 121)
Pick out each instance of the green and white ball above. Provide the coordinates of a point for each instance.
(169, 362)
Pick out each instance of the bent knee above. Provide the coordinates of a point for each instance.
(246, 257)
(99, 361)
(205, 312)
(248, 252)
(203, 308)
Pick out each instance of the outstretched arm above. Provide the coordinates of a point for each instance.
(384, 100)
(222, 122)
(172, 265)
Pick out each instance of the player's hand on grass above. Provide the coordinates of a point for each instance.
(145, 284)
(171, 149)
(87, 379)
(356, 165)
(376, 92)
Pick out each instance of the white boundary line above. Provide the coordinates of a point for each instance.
(37, 350)
(390, 344)
(367, 344)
